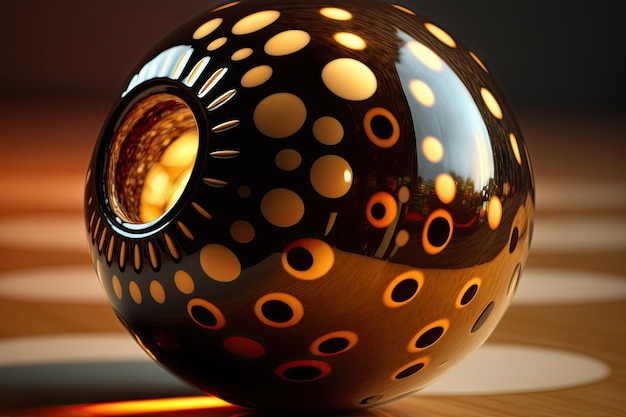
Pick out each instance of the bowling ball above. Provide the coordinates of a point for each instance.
(313, 206)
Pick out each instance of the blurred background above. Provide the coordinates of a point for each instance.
(63, 64)
(543, 53)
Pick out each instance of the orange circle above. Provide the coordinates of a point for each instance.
(220, 321)
(388, 294)
(459, 299)
(390, 205)
(442, 323)
(322, 258)
(351, 338)
(292, 302)
(428, 246)
(381, 142)
(322, 367)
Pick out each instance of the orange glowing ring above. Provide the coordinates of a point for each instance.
(388, 294)
(322, 258)
(220, 321)
(437, 214)
(442, 323)
(292, 302)
(390, 205)
(350, 337)
(380, 142)
(459, 299)
(397, 375)
(323, 368)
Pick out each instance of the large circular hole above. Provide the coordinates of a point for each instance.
(151, 158)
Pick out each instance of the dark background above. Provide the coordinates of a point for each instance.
(549, 53)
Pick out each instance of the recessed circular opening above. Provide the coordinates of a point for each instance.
(151, 158)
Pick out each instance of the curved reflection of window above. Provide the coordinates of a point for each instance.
(453, 118)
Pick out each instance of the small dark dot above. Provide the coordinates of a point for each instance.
(300, 259)
(469, 295)
(483, 317)
(382, 127)
(371, 400)
(203, 316)
(334, 345)
(277, 311)
(429, 337)
(378, 211)
(409, 371)
(438, 232)
(302, 373)
(514, 238)
(404, 290)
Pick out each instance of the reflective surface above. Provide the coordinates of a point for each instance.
(356, 220)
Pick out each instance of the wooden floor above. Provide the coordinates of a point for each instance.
(581, 183)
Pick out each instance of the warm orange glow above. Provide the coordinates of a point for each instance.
(440, 34)
(422, 93)
(350, 40)
(335, 13)
(161, 405)
(491, 103)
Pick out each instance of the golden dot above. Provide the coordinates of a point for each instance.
(491, 103)
(135, 292)
(255, 22)
(494, 212)
(256, 76)
(225, 6)
(287, 42)
(350, 40)
(216, 44)
(328, 130)
(445, 188)
(349, 79)
(402, 238)
(403, 9)
(425, 55)
(422, 93)
(184, 282)
(280, 115)
(282, 207)
(288, 159)
(404, 194)
(432, 148)
(207, 28)
(515, 147)
(478, 61)
(331, 176)
(242, 231)
(117, 287)
(335, 13)
(157, 292)
(219, 263)
(241, 54)
(440, 34)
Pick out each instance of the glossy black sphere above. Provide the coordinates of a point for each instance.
(317, 205)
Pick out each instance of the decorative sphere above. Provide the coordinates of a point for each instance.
(316, 206)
